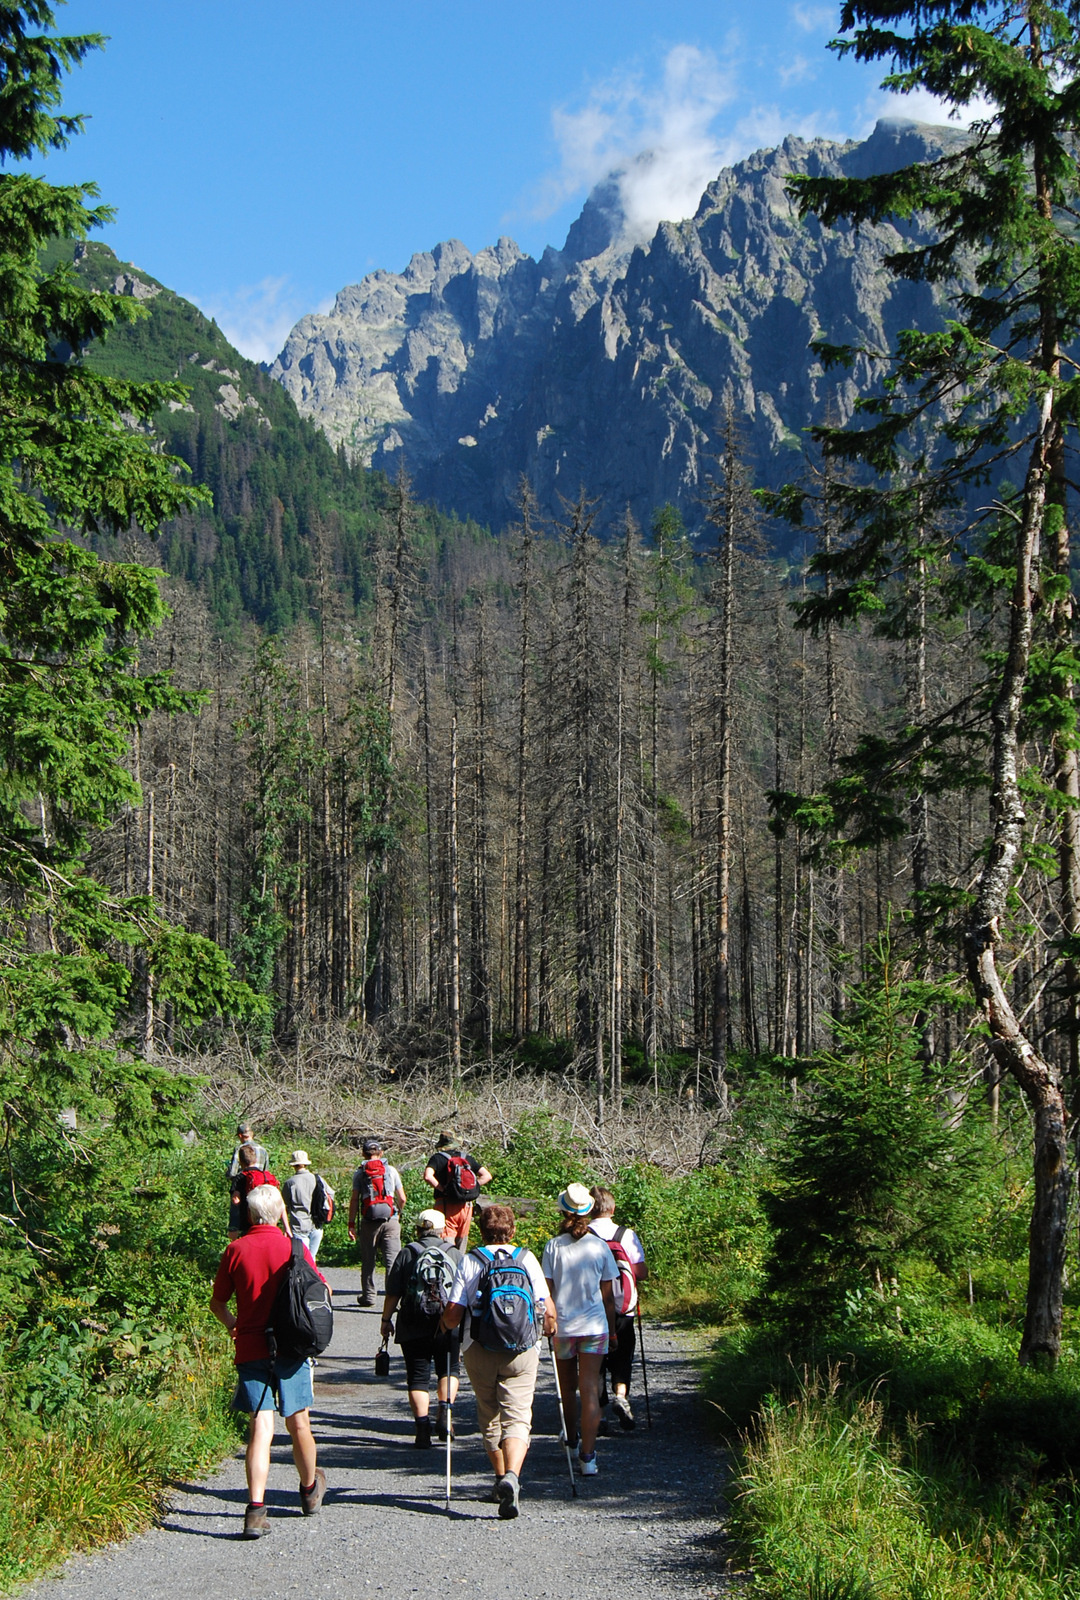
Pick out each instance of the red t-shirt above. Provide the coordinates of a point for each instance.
(251, 1269)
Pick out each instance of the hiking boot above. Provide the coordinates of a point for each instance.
(506, 1492)
(587, 1466)
(492, 1496)
(256, 1522)
(310, 1502)
(423, 1433)
(443, 1427)
(621, 1407)
(365, 1301)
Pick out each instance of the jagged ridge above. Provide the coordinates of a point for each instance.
(608, 366)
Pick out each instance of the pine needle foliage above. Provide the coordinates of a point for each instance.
(874, 1174)
(77, 459)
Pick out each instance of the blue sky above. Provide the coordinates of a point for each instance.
(262, 154)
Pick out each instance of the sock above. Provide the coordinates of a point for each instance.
(255, 1505)
(308, 1488)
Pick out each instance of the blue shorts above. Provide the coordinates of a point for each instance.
(259, 1385)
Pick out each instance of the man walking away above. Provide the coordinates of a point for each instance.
(630, 1258)
(502, 1352)
(250, 1177)
(457, 1180)
(252, 1269)
(418, 1288)
(244, 1135)
(309, 1202)
(375, 1208)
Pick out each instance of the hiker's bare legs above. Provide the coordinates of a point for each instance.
(303, 1445)
(257, 1457)
(509, 1457)
(568, 1384)
(589, 1382)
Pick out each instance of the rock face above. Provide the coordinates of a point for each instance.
(607, 366)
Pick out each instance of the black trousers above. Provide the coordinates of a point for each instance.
(619, 1364)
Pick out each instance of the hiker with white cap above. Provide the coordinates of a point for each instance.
(418, 1288)
(580, 1272)
(309, 1202)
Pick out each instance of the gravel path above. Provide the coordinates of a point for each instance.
(648, 1525)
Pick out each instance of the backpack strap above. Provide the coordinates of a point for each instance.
(619, 1235)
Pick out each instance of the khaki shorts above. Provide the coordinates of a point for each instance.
(503, 1385)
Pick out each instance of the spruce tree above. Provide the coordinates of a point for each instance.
(77, 459)
(956, 415)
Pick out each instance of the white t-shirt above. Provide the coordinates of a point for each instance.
(607, 1227)
(466, 1287)
(577, 1268)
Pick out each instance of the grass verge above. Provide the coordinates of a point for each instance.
(75, 1487)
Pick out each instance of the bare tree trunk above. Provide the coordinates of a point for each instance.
(1041, 1341)
(455, 885)
(521, 1017)
(148, 976)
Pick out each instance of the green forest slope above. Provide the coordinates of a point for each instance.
(280, 491)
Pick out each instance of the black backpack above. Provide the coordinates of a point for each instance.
(504, 1317)
(320, 1203)
(301, 1323)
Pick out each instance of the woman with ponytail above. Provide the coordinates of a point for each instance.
(580, 1271)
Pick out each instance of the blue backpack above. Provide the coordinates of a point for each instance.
(504, 1316)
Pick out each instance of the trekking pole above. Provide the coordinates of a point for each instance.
(644, 1368)
(562, 1420)
(449, 1441)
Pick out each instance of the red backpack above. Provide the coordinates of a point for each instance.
(242, 1186)
(460, 1182)
(625, 1291)
(376, 1199)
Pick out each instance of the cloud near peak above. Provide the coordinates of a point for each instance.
(657, 140)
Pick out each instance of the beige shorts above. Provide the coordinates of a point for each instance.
(503, 1385)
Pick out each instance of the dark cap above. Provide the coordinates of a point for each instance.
(371, 1147)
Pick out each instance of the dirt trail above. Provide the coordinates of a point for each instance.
(648, 1525)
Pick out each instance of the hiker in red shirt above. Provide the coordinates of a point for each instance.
(252, 1269)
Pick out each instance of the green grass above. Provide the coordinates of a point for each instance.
(81, 1485)
(833, 1505)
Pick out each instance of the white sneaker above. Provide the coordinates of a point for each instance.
(587, 1465)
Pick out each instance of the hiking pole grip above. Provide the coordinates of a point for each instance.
(562, 1418)
(644, 1368)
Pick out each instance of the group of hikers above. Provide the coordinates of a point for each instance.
(489, 1308)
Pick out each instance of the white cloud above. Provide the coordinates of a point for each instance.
(257, 318)
(659, 141)
(797, 70)
(815, 19)
(919, 106)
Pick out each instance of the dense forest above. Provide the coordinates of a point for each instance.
(749, 885)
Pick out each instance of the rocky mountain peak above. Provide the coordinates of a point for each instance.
(607, 363)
